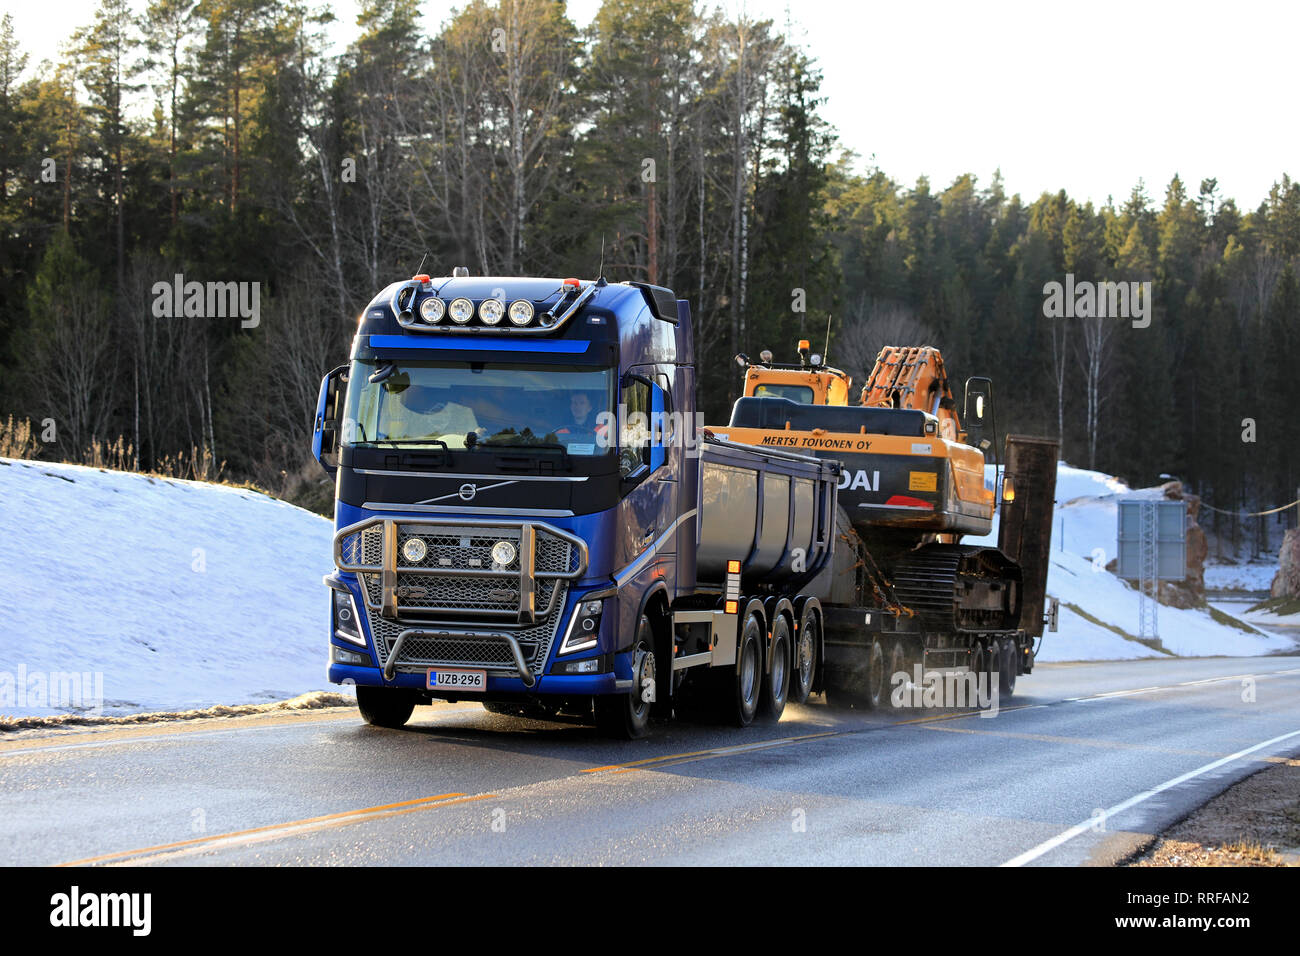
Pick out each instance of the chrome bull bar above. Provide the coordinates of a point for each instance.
(388, 567)
(525, 673)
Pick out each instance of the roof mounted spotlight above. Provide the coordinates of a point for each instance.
(815, 360)
(742, 359)
(460, 272)
(765, 356)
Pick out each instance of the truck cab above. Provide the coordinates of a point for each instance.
(510, 495)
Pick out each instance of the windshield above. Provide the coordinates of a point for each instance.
(476, 404)
(796, 393)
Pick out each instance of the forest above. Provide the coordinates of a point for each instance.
(226, 141)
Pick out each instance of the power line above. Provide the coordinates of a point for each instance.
(1250, 514)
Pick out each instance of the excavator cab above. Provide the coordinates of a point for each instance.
(810, 382)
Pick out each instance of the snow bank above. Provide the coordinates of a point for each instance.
(1083, 543)
(154, 594)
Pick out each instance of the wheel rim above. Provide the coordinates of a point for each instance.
(805, 649)
(780, 644)
(749, 670)
(645, 671)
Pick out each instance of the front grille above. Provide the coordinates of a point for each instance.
(431, 585)
(419, 653)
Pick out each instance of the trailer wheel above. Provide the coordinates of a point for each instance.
(1007, 673)
(627, 716)
(804, 670)
(864, 686)
(895, 663)
(385, 706)
(776, 685)
(742, 681)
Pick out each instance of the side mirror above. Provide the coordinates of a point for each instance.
(977, 417)
(325, 438)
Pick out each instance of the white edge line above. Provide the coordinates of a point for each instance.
(1048, 845)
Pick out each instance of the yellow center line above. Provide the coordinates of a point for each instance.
(275, 830)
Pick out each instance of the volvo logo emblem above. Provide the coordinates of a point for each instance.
(468, 491)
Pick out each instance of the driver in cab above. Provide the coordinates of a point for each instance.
(581, 427)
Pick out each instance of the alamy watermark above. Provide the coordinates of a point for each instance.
(943, 688)
(1098, 300)
(80, 691)
(208, 300)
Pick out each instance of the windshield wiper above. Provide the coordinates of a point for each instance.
(410, 441)
(539, 445)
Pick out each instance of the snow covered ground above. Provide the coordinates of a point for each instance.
(1083, 543)
(128, 593)
(1240, 577)
(150, 593)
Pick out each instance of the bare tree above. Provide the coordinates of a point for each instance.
(872, 325)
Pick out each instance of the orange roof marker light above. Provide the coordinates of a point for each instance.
(573, 282)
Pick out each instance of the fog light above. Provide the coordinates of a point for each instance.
(589, 666)
(503, 553)
(414, 550)
(341, 655)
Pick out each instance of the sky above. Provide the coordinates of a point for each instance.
(1083, 97)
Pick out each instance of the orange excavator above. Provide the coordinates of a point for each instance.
(914, 483)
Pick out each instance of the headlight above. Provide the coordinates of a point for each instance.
(346, 625)
(503, 553)
(433, 309)
(461, 310)
(521, 312)
(491, 310)
(414, 550)
(584, 628)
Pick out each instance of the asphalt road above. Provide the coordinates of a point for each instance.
(1084, 762)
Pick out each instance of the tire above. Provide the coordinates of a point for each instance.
(895, 663)
(776, 683)
(1007, 673)
(742, 681)
(979, 660)
(385, 706)
(866, 687)
(803, 670)
(627, 716)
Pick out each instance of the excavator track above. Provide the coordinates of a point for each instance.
(953, 587)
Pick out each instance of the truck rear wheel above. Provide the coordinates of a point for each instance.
(804, 669)
(776, 685)
(385, 706)
(742, 681)
(627, 716)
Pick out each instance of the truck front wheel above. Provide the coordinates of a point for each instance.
(627, 716)
(385, 706)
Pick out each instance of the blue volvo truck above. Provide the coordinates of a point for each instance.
(528, 515)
